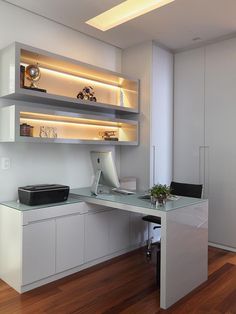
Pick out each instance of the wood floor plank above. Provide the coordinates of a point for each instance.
(210, 296)
(126, 285)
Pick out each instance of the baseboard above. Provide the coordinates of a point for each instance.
(223, 247)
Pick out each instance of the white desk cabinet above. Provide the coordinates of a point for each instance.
(38, 259)
(42, 244)
(69, 242)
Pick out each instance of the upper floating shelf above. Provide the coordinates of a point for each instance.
(63, 79)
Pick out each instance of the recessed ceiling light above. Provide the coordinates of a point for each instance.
(124, 12)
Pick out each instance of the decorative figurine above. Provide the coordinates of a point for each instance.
(109, 135)
(26, 130)
(47, 132)
(87, 94)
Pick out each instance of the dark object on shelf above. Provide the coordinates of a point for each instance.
(36, 89)
(87, 94)
(111, 138)
(22, 76)
(26, 130)
(43, 194)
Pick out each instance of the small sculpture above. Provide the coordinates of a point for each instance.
(87, 94)
(47, 132)
(109, 135)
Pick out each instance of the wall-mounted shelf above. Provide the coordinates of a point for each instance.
(63, 78)
(53, 126)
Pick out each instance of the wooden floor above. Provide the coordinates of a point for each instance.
(126, 285)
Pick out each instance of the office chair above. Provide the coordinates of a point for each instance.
(186, 189)
(157, 221)
(179, 189)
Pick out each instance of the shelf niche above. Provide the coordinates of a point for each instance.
(64, 78)
(68, 127)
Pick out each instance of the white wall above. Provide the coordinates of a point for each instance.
(49, 163)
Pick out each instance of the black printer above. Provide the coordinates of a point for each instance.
(43, 194)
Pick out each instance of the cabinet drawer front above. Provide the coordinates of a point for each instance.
(38, 260)
(54, 212)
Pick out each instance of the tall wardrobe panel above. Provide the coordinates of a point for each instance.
(204, 131)
(161, 116)
(135, 161)
(189, 117)
(220, 129)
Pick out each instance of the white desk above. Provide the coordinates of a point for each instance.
(184, 239)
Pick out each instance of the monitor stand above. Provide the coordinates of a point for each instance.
(97, 188)
(94, 187)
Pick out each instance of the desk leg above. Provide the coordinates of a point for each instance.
(184, 252)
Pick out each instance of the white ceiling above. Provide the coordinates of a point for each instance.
(174, 25)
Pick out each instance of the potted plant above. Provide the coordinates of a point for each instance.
(159, 193)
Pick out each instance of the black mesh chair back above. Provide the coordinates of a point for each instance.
(185, 189)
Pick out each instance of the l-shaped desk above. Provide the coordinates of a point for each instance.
(184, 239)
(58, 239)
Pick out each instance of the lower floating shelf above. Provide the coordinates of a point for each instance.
(26, 124)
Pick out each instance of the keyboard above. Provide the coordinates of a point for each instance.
(145, 197)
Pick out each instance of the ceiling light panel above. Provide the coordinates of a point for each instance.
(124, 12)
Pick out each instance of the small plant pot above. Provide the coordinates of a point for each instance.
(161, 201)
(159, 193)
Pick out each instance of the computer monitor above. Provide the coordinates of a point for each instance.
(105, 172)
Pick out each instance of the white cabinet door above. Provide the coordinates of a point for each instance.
(189, 116)
(38, 260)
(69, 242)
(96, 235)
(119, 230)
